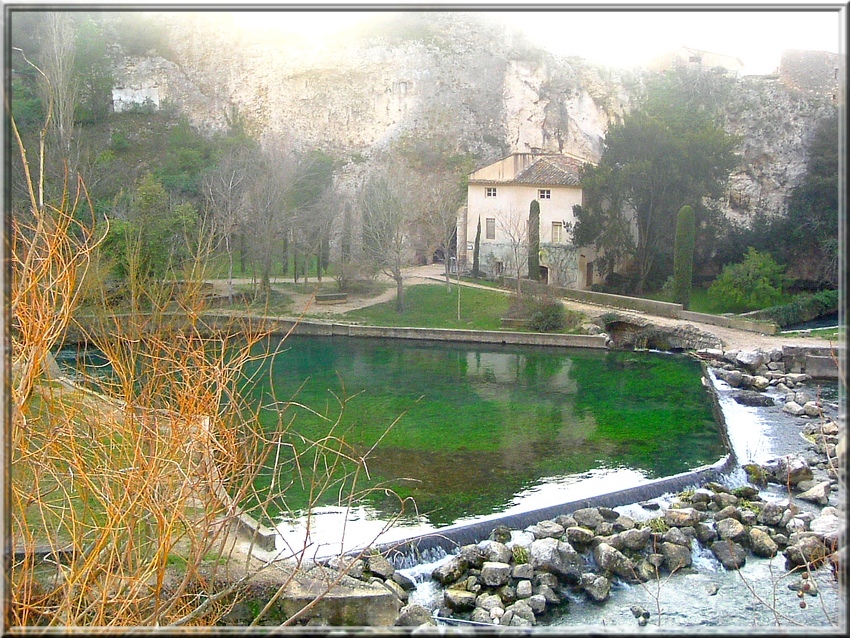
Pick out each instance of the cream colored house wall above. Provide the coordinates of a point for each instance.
(512, 202)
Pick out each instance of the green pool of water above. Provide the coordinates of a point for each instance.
(476, 425)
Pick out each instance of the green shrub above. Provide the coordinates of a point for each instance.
(119, 142)
(542, 312)
(549, 317)
(755, 283)
(520, 554)
(804, 307)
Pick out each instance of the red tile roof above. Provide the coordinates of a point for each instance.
(555, 170)
(544, 170)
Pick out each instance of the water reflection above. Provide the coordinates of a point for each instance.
(493, 429)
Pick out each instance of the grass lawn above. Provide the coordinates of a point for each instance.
(433, 306)
(700, 302)
(830, 334)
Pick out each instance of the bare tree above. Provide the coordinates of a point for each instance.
(57, 62)
(441, 195)
(563, 264)
(515, 227)
(275, 170)
(225, 190)
(388, 208)
(316, 205)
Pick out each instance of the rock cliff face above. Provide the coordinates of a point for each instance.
(463, 83)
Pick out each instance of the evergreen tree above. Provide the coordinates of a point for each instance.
(476, 251)
(534, 240)
(670, 150)
(683, 261)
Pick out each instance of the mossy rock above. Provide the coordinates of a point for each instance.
(756, 474)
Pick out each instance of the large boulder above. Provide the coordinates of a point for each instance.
(403, 581)
(818, 494)
(675, 556)
(473, 555)
(807, 550)
(548, 593)
(762, 544)
(414, 616)
(482, 616)
(495, 574)
(754, 399)
(450, 571)
(522, 571)
(829, 526)
(789, 469)
(731, 529)
(546, 529)
(579, 535)
(556, 557)
(771, 514)
(636, 539)
(379, 566)
(730, 554)
(682, 517)
(459, 599)
(750, 360)
(524, 589)
(598, 588)
(489, 601)
(521, 609)
(614, 561)
(793, 408)
(589, 517)
(495, 551)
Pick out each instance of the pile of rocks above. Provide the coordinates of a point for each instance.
(754, 372)
(375, 569)
(514, 577)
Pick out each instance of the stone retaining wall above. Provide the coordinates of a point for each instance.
(282, 326)
(750, 325)
(316, 328)
(659, 308)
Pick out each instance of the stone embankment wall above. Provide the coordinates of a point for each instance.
(650, 306)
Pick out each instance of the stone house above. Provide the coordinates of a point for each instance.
(500, 196)
(688, 57)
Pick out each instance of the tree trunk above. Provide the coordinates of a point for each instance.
(476, 251)
(399, 298)
(229, 267)
(242, 251)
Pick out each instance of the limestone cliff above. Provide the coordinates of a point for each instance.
(456, 79)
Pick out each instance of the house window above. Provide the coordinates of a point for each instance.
(544, 193)
(491, 228)
(557, 232)
(490, 191)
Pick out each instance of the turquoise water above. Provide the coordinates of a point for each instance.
(463, 429)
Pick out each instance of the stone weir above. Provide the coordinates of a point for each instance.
(452, 537)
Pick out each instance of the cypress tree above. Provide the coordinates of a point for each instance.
(534, 240)
(476, 272)
(683, 259)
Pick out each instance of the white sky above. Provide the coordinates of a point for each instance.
(613, 36)
(623, 38)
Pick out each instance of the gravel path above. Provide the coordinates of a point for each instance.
(731, 339)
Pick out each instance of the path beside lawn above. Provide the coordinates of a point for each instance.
(303, 303)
